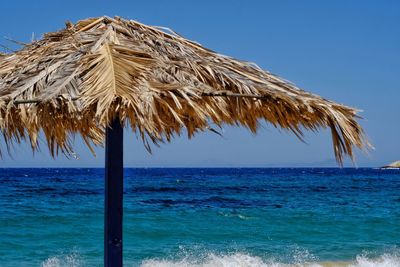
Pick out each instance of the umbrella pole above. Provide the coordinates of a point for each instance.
(113, 195)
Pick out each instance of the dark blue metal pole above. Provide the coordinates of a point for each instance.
(113, 195)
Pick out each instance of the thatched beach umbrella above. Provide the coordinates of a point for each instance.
(98, 75)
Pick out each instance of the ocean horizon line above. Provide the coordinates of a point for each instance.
(194, 167)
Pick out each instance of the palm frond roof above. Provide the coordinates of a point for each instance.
(76, 80)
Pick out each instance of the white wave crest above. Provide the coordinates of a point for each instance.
(235, 260)
(69, 260)
(212, 260)
(245, 260)
(386, 260)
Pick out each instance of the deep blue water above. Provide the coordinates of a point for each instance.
(204, 217)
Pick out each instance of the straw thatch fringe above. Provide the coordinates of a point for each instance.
(77, 79)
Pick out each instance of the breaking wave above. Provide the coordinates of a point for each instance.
(246, 260)
(69, 260)
(237, 260)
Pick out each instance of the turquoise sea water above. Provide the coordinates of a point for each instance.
(204, 217)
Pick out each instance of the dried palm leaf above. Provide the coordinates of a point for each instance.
(77, 79)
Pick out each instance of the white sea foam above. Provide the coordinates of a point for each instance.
(245, 260)
(69, 260)
(386, 260)
(237, 260)
(212, 260)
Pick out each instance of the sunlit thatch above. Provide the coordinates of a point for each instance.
(77, 79)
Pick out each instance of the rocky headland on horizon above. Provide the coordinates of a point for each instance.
(395, 164)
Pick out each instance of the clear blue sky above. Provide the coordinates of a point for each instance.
(347, 51)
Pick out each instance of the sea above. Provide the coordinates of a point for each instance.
(204, 217)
